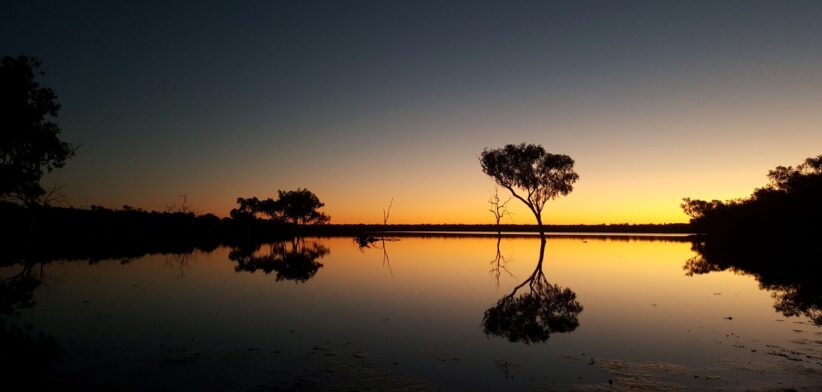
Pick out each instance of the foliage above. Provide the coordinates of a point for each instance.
(772, 235)
(29, 142)
(789, 206)
(299, 206)
(529, 169)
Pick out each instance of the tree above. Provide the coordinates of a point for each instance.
(301, 207)
(786, 208)
(499, 207)
(29, 142)
(539, 175)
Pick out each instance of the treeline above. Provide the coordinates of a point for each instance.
(789, 208)
(772, 235)
(667, 228)
(46, 233)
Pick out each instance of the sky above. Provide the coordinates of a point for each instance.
(363, 102)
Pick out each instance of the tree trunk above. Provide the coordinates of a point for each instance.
(541, 229)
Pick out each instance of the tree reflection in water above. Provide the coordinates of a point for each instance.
(499, 264)
(25, 353)
(292, 260)
(790, 270)
(536, 313)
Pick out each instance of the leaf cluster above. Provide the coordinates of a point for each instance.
(530, 173)
(299, 206)
(29, 138)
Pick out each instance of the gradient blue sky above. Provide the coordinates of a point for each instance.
(364, 101)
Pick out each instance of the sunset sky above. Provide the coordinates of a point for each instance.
(362, 102)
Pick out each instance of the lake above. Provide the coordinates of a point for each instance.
(420, 313)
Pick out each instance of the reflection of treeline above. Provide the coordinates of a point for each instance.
(772, 235)
(789, 207)
(26, 352)
(791, 272)
(668, 228)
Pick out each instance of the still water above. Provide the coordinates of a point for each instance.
(420, 313)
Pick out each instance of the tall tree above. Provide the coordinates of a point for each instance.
(29, 137)
(301, 207)
(531, 174)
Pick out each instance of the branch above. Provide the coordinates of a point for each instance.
(527, 202)
(386, 214)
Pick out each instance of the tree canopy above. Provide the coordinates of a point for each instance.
(299, 206)
(787, 207)
(530, 173)
(29, 137)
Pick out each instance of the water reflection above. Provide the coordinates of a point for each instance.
(499, 264)
(365, 241)
(292, 260)
(536, 313)
(789, 271)
(26, 352)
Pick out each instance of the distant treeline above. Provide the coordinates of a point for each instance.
(668, 228)
(35, 234)
(47, 233)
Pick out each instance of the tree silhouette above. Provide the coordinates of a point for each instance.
(539, 175)
(498, 208)
(787, 208)
(535, 314)
(29, 143)
(300, 207)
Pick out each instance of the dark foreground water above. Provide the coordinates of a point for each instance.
(418, 314)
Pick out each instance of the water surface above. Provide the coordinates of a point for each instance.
(420, 313)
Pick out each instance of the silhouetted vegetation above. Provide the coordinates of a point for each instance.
(369, 239)
(498, 207)
(788, 208)
(294, 260)
(299, 207)
(538, 174)
(29, 137)
(772, 235)
(535, 314)
(45, 234)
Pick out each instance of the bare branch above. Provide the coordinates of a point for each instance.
(54, 196)
(387, 213)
